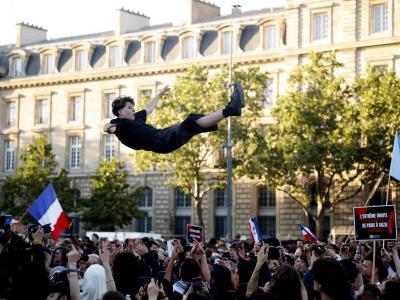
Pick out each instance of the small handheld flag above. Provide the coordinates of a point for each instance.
(255, 231)
(395, 163)
(307, 234)
(47, 209)
(10, 220)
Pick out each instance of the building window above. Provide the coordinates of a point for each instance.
(220, 226)
(269, 92)
(114, 56)
(16, 67)
(9, 157)
(271, 37)
(319, 26)
(266, 197)
(145, 94)
(74, 152)
(380, 68)
(11, 114)
(380, 17)
(220, 197)
(226, 42)
(181, 199)
(108, 99)
(42, 111)
(144, 224)
(150, 52)
(181, 224)
(80, 60)
(188, 50)
(109, 147)
(146, 200)
(47, 64)
(267, 225)
(75, 103)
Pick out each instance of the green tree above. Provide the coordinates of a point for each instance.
(314, 150)
(110, 205)
(193, 168)
(379, 95)
(36, 169)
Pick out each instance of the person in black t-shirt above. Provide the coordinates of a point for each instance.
(131, 129)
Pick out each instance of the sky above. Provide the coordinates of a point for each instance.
(63, 18)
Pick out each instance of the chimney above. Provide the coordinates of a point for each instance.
(130, 21)
(236, 10)
(199, 10)
(29, 34)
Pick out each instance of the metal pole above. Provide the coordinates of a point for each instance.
(229, 184)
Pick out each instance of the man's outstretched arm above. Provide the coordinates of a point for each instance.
(153, 103)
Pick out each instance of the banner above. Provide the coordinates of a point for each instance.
(375, 222)
(194, 232)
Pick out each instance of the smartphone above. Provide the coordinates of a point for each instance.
(160, 276)
(170, 247)
(197, 284)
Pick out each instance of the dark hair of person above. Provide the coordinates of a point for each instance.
(350, 268)
(120, 103)
(285, 283)
(391, 291)
(126, 270)
(189, 269)
(113, 295)
(332, 277)
(64, 258)
(371, 291)
(199, 295)
(245, 269)
(221, 278)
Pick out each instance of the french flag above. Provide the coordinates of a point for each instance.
(307, 234)
(255, 231)
(10, 221)
(47, 209)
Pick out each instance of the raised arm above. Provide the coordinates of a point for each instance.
(262, 258)
(153, 103)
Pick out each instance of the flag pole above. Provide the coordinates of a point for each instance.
(373, 262)
(388, 186)
(24, 214)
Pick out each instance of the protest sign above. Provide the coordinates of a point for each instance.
(375, 222)
(194, 232)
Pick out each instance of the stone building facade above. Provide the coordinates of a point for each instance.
(62, 89)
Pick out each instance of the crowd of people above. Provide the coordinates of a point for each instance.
(32, 266)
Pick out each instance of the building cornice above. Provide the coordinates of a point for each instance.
(245, 59)
(132, 71)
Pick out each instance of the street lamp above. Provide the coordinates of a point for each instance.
(229, 229)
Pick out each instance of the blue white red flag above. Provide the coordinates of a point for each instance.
(47, 209)
(255, 231)
(10, 221)
(395, 164)
(307, 234)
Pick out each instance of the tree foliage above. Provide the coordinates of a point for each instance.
(111, 204)
(379, 95)
(193, 168)
(316, 140)
(37, 167)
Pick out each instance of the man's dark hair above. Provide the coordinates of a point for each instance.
(113, 295)
(189, 269)
(332, 277)
(120, 103)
